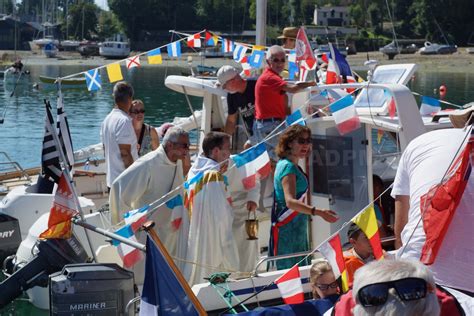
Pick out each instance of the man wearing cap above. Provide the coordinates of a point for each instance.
(289, 37)
(271, 102)
(240, 101)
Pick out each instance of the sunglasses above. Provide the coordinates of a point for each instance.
(137, 112)
(408, 289)
(182, 145)
(276, 60)
(304, 141)
(324, 287)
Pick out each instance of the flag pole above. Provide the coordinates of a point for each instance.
(68, 177)
(148, 227)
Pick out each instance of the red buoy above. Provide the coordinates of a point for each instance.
(442, 91)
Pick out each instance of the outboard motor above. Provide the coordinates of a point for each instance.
(52, 256)
(10, 236)
(91, 289)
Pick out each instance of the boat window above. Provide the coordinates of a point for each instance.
(119, 46)
(384, 142)
(333, 159)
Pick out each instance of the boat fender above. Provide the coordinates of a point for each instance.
(442, 91)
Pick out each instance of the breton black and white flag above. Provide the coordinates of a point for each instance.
(51, 167)
(64, 133)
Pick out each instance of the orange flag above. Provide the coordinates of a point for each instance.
(64, 208)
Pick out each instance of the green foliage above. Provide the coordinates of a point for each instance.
(83, 20)
(108, 25)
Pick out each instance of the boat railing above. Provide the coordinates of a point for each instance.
(266, 259)
(8, 166)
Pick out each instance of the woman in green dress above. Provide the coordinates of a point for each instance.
(289, 232)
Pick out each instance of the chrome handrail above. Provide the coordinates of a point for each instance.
(279, 257)
(15, 165)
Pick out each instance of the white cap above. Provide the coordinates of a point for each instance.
(226, 73)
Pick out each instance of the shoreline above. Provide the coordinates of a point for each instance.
(459, 62)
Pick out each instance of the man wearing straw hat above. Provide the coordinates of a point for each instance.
(289, 37)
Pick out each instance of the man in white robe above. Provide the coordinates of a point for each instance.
(147, 180)
(243, 202)
(211, 244)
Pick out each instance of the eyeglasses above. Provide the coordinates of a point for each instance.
(408, 289)
(137, 111)
(304, 141)
(182, 145)
(276, 60)
(324, 287)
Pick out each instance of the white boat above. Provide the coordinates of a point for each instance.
(113, 49)
(69, 45)
(434, 49)
(346, 190)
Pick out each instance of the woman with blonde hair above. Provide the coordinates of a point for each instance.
(289, 232)
(322, 279)
(147, 136)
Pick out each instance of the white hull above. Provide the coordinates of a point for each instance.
(114, 49)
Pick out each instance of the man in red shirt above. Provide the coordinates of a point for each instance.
(271, 101)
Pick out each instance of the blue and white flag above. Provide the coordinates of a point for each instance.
(256, 59)
(239, 52)
(174, 49)
(295, 118)
(429, 106)
(163, 293)
(93, 80)
(292, 70)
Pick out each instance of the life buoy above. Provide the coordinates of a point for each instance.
(442, 91)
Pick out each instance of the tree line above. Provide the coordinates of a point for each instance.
(139, 19)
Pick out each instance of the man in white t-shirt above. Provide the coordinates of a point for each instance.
(117, 133)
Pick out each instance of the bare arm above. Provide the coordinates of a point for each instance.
(293, 88)
(402, 205)
(289, 188)
(230, 123)
(155, 140)
(126, 154)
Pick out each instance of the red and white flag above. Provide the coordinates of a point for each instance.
(332, 73)
(303, 48)
(246, 66)
(194, 40)
(133, 62)
(290, 286)
(332, 251)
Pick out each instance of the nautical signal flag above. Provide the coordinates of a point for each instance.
(114, 72)
(290, 286)
(227, 46)
(256, 58)
(239, 53)
(345, 115)
(438, 206)
(429, 106)
(295, 118)
(133, 62)
(63, 209)
(367, 222)
(130, 255)
(194, 40)
(93, 80)
(154, 57)
(252, 164)
(211, 39)
(332, 251)
(174, 49)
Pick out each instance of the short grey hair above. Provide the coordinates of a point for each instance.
(275, 49)
(172, 135)
(122, 91)
(391, 270)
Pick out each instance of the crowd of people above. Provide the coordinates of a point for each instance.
(210, 234)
